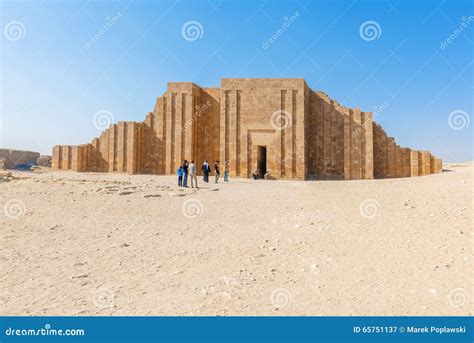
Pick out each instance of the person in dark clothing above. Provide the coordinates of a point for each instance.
(206, 169)
(217, 171)
(185, 173)
(180, 176)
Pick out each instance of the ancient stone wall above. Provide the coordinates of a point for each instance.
(391, 160)
(424, 163)
(118, 149)
(263, 113)
(207, 125)
(436, 165)
(304, 134)
(181, 99)
(339, 140)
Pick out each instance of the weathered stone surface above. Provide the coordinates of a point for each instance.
(11, 158)
(303, 134)
(44, 161)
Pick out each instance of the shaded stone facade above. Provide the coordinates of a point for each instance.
(275, 125)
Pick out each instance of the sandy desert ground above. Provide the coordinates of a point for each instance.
(115, 244)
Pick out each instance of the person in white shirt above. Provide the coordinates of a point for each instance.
(192, 174)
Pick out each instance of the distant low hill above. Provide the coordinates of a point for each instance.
(12, 159)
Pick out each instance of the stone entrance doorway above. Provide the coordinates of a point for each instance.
(261, 160)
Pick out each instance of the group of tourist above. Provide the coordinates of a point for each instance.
(189, 170)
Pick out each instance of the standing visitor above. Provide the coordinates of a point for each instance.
(185, 173)
(192, 174)
(216, 170)
(226, 171)
(205, 171)
(180, 176)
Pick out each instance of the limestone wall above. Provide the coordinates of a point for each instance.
(118, 149)
(380, 152)
(391, 160)
(424, 163)
(339, 140)
(436, 165)
(179, 124)
(306, 134)
(207, 125)
(263, 112)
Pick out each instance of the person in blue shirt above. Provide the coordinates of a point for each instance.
(180, 176)
(185, 167)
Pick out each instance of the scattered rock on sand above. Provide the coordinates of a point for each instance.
(125, 192)
(6, 176)
(152, 195)
(80, 276)
(174, 194)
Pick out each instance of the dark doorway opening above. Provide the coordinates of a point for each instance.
(261, 161)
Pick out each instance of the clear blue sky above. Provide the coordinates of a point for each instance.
(55, 76)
